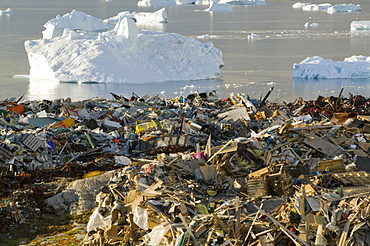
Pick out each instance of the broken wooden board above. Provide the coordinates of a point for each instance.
(334, 166)
(322, 145)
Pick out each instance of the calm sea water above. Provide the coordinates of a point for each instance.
(251, 66)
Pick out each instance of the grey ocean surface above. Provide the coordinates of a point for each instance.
(251, 66)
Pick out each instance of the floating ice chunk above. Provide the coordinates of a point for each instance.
(344, 8)
(317, 7)
(208, 36)
(360, 28)
(6, 12)
(318, 68)
(300, 5)
(307, 24)
(253, 36)
(123, 54)
(216, 7)
(159, 16)
(76, 21)
(243, 2)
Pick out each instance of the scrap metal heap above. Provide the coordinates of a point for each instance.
(193, 170)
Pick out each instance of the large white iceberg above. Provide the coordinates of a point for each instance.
(124, 54)
(354, 67)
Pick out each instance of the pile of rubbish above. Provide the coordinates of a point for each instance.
(194, 170)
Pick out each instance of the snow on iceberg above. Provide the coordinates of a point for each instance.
(6, 12)
(243, 2)
(159, 16)
(354, 67)
(344, 8)
(216, 7)
(124, 54)
(75, 21)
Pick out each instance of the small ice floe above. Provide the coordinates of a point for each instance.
(253, 36)
(6, 12)
(307, 24)
(206, 36)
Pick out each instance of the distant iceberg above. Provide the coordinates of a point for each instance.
(328, 7)
(6, 12)
(243, 2)
(216, 7)
(317, 7)
(360, 28)
(159, 16)
(354, 67)
(85, 52)
(144, 3)
(299, 5)
(344, 8)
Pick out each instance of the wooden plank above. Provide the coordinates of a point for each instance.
(322, 145)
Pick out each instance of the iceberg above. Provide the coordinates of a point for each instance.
(6, 12)
(354, 67)
(159, 16)
(317, 7)
(243, 2)
(329, 8)
(143, 3)
(75, 21)
(344, 8)
(360, 28)
(299, 5)
(84, 51)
